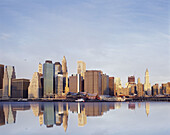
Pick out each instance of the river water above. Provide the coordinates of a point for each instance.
(104, 118)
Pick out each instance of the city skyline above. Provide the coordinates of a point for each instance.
(119, 38)
(123, 82)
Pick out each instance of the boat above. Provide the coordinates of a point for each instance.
(79, 100)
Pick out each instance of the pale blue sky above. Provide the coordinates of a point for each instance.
(119, 37)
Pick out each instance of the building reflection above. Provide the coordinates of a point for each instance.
(147, 108)
(57, 113)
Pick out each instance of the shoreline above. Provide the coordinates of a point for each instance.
(143, 99)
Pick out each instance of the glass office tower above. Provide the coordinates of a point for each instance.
(48, 74)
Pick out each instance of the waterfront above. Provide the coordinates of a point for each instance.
(85, 118)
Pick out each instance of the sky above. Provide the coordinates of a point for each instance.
(119, 37)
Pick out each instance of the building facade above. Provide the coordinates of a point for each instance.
(76, 83)
(48, 74)
(111, 86)
(147, 85)
(81, 68)
(1, 79)
(140, 88)
(20, 88)
(92, 82)
(40, 69)
(9, 74)
(59, 84)
(105, 84)
(155, 90)
(131, 79)
(35, 87)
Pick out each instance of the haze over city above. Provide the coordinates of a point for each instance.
(117, 37)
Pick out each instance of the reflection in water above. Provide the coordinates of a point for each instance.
(147, 106)
(51, 114)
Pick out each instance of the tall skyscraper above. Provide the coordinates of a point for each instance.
(1, 79)
(35, 87)
(48, 74)
(40, 69)
(1, 76)
(147, 85)
(9, 74)
(93, 82)
(105, 84)
(65, 75)
(59, 84)
(58, 68)
(64, 67)
(140, 88)
(81, 68)
(111, 86)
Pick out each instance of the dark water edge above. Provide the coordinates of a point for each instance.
(138, 99)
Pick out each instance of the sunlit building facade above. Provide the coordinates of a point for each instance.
(93, 82)
(9, 74)
(81, 68)
(35, 87)
(59, 84)
(147, 85)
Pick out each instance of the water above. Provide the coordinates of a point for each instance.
(142, 118)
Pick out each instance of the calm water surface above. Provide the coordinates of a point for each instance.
(144, 118)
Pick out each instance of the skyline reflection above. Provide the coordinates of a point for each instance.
(57, 113)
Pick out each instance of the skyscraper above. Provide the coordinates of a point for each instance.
(64, 67)
(155, 90)
(58, 68)
(147, 85)
(75, 83)
(1, 76)
(111, 86)
(20, 88)
(140, 88)
(1, 79)
(65, 75)
(9, 74)
(105, 84)
(131, 79)
(93, 82)
(118, 85)
(81, 68)
(35, 87)
(48, 74)
(59, 84)
(40, 69)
